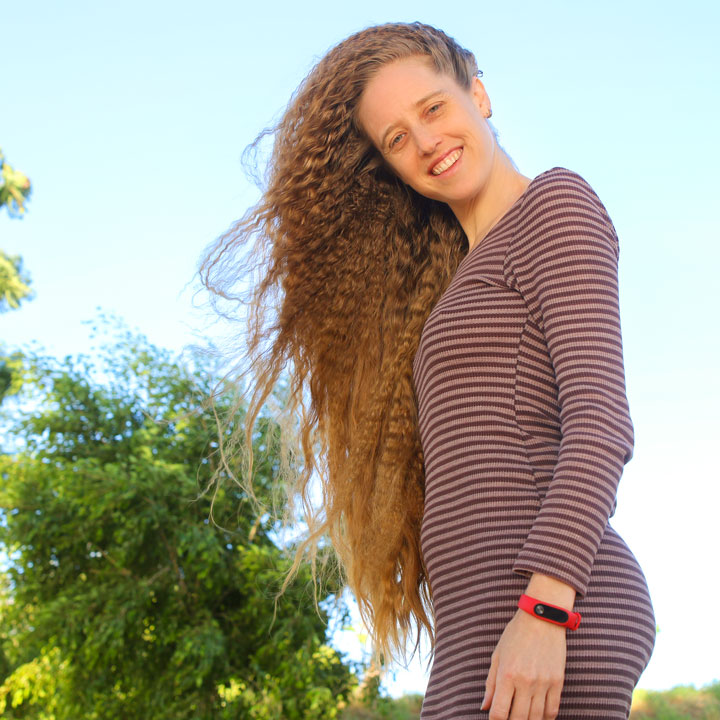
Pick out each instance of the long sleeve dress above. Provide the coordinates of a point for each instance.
(525, 429)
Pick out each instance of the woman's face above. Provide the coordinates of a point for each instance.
(431, 131)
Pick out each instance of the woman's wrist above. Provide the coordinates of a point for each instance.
(551, 590)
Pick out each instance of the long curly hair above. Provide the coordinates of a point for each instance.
(339, 265)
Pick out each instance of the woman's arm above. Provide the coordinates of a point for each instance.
(551, 590)
(563, 261)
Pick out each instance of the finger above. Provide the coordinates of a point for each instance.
(490, 684)
(521, 704)
(502, 699)
(537, 706)
(552, 702)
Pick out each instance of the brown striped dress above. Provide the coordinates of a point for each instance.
(525, 430)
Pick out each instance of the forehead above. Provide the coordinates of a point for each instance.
(395, 89)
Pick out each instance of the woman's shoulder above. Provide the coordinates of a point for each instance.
(559, 211)
(557, 180)
(560, 190)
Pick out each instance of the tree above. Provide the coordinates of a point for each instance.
(677, 703)
(14, 282)
(122, 598)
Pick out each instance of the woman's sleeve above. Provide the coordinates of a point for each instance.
(563, 261)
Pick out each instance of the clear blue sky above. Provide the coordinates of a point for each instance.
(130, 119)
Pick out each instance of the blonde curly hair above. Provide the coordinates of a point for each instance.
(349, 263)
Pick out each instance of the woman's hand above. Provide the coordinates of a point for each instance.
(527, 670)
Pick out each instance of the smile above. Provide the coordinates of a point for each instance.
(447, 162)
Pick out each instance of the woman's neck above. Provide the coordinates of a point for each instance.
(504, 186)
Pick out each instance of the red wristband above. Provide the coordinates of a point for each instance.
(548, 612)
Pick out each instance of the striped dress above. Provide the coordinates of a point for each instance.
(525, 430)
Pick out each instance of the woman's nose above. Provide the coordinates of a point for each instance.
(426, 140)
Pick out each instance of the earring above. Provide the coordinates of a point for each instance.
(489, 115)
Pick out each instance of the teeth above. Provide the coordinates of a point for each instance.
(449, 161)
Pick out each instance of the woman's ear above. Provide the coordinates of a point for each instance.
(480, 97)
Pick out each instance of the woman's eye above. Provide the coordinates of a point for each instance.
(395, 140)
(434, 108)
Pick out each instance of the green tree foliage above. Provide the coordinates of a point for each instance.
(406, 707)
(678, 703)
(14, 282)
(121, 598)
(10, 373)
(14, 190)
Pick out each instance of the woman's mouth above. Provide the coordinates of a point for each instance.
(447, 162)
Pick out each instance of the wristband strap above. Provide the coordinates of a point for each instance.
(548, 612)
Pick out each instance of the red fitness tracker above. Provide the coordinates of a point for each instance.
(551, 613)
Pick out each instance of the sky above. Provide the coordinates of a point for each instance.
(130, 120)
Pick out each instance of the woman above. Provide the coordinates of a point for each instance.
(452, 334)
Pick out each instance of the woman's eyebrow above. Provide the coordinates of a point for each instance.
(427, 97)
(420, 102)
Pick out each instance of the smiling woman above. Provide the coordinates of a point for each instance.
(454, 327)
(439, 144)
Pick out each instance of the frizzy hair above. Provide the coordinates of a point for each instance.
(349, 263)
